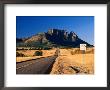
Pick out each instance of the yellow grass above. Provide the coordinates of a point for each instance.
(67, 62)
(20, 59)
(30, 54)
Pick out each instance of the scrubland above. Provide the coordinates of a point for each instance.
(73, 61)
(69, 61)
(29, 54)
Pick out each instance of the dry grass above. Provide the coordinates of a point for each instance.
(30, 54)
(74, 51)
(20, 59)
(71, 63)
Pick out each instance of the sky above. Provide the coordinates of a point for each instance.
(83, 26)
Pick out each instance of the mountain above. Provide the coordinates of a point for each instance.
(53, 38)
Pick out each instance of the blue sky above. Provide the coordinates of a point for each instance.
(83, 26)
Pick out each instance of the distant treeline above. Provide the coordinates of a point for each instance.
(34, 48)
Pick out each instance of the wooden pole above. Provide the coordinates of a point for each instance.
(83, 52)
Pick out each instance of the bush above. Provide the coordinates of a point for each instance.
(38, 53)
(19, 54)
(72, 52)
(47, 48)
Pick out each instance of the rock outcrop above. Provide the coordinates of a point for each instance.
(62, 37)
(54, 38)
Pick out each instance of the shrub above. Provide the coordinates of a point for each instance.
(38, 53)
(19, 54)
(72, 52)
(47, 48)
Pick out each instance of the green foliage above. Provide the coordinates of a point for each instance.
(38, 53)
(36, 45)
(46, 48)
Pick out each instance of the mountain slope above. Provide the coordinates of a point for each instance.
(53, 38)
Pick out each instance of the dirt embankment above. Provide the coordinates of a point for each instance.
(71, 61)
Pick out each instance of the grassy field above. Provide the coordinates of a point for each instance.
(69, 61)
(29, 54)
(72, 61)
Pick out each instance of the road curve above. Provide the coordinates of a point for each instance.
(36, 66)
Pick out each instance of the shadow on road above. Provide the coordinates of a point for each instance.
(50, 68)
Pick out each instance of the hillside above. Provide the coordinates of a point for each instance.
(52, 38)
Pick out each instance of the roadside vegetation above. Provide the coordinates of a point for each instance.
(38, 53)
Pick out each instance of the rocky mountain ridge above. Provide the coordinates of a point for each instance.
(54, 38)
